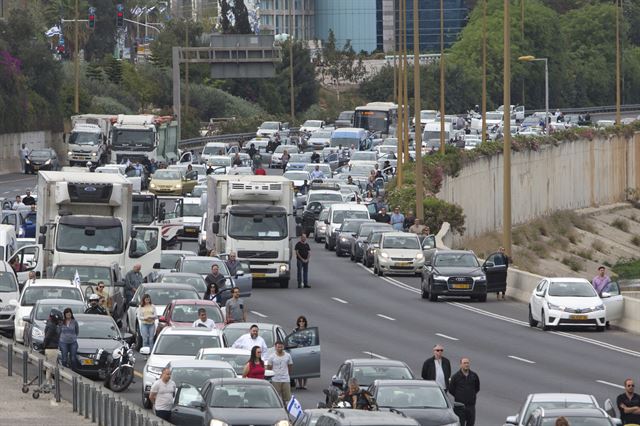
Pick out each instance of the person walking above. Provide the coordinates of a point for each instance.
(464, 386)
(397, 219)
(303, 255)
(281, 364)
(301, 324)
(212, 293)
(629, 404)
(146, 314)
(51, 342)
(601, 281)
(236, 310)
(248, 340)
(203, 321)
(24, 153)
(437, 368)
(254, 368)
(161, 395)
(132, 281)
(69, 331)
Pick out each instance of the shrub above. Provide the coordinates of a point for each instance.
(597, 245)
(585, 254)
(621, 224)
(438, 211)
(636, 240)
(107, 105)
(573, 262)
(627, 269)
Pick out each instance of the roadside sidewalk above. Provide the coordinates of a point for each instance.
(17, 408)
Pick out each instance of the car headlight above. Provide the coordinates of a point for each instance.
(215, 422)
(283, 268)
(555, 307)
(282, 423)
(343, 239)
(480, 278)
(36, 333)
(70, 153)
(440, 278)
(599, 308)
(152, 185)
(94, 154)
(178, 186)
(46, 163)
(154, 370)
(419, 256)
(384, 255)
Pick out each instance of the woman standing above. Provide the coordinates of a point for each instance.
(254, 368)
(147, 320)
(285, 159)
(301, 324)
(69, 339)
(212, 293)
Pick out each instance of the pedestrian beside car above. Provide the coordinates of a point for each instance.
(211, 293)
(161, 395)
(24, 154)
(252, 151)
(132, 281)
(417, 227)
(280, 363)
(235, 308)
(303, 255)
(146, 314)
(249, 340)
(301, 324)
(409, 220)
(51, 342)
(203, 321)
(464, 386)
(28, 200)
(397, 219)
(69, 331)
(285, 159)
(232, 264)
(437, 368)
(357, 398)
(254, 368)
(215, 277)
(94, 306)
(501, 258)
(601, 281)
(383, 216)
(629, 404)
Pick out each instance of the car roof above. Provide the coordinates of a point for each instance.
(573, 412)
(202, 258)
(4, 266)
(52, 282)
(197, 331)
(567, 280)
(376, 361)
(228, 351)
(59, 302)
(364, 417)
(400, 234)
(186, 252)
(176, 286)
(181, 274)
(454, 252)
(349, 206)
(407, 382)
(94, 318)
(573, 397)
(194, 302)
(199, 363)
(241, 381)
(246, 325)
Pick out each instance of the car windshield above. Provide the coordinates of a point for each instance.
(579, 289)
(219, 161)
(196, 281)
(407, 243)
(366, 228)
(40, 153)
(428, 115)
(361, 169)
(245, 396)
(456, 260)
(32, 294)
(579, 421)
(366, 374)
(213, 149)
(87, 274)
(297, 175)
(234, 333)
(44, 309)
(133, 138)
(300, 158)
(184, 345)
(494, 116)
(168, 261)
(78, 239)
(270, 125)
(197, 376)
(339, 216)
(411, 397)
(325, 196)
(162, 297)
(84, 138)
(192, 210)
(312, 123)
(8, 282)
(257, 226)
(167, 175)
(321, 134)
(189, 313)
(288, 148)
(203, 267)
(324, 214)
(350, 226)
(364, 156)
(550, 405)
(101, 329)
(237, 361)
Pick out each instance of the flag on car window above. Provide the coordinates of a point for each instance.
(294, 408)
(76, 278)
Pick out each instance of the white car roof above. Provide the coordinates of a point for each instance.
(228, 351)
(197, 331)
(348, 206)
(574, 397)
(567, 280)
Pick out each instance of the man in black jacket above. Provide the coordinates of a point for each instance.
(464, 386)
(437, 368)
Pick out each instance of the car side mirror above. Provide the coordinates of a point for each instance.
(146, 350)
(198, 405)
(326, 221)
(605, 295)
(26, 318)
(133, 303)
(129, 338)
(162, 319)
(489, 264)
(339, 383)
(239, 273)
(511, 420)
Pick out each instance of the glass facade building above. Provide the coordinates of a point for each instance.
(455, 18)
(353, 20)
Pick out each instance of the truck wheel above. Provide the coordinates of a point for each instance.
(284, 283)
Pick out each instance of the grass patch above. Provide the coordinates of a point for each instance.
(525, 259)
(621, 224)
(627, 269)
(539, 249)
(585, 254)
(573, 262)
(636, 240)
(573, 237)
(560, 242)
(598, 245)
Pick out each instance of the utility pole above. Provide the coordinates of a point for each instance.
(293, 110)
(506, 196)
(442, 69)
(522, 35)
(400, 131)
(76, 64)
(618, 93)
(484, 70)
(405, 100)
(417, 107)
(186, 71)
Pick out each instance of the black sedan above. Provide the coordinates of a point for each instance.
(359, 244)
(457, 273)
(311, 213)
(347, 234)
(96, 332)
(41, 159)
(229, 401)
(35, 323)
(422, 400)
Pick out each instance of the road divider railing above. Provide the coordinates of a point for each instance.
(89, 399)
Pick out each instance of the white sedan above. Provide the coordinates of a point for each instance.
(573, 302)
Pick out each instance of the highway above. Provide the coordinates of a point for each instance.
(362, 315)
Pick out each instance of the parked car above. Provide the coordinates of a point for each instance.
(575, 416)
(400, 253)
(36, 321)
(41, 159)
(550, 401)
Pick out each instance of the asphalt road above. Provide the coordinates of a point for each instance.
(13, 184)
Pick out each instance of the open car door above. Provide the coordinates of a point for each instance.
(187, 406)
(613, 301)
(243, 278)
(304, 348)
(145, 248)
(495, 268)
(30, 259)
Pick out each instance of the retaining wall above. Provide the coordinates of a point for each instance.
(11, 143)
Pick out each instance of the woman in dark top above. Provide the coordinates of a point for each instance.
(69, 331)
(52, 340)
(301, 324)
(212, 293)
(254, 369)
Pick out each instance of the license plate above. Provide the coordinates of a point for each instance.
(258, 275)
(404, 263)
(461, 286)
(578, 317)
(36, 167)
(87, 362)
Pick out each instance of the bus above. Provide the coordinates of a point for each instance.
(375, 117)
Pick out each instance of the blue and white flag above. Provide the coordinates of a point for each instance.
(53, 31)
(294, 408)
(76, 278)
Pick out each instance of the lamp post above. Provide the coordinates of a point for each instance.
(417, 106)
(618, 94)
(484, 71)
(442, 77)
(506, 99)
(530, 58)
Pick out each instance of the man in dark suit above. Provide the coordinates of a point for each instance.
(437, 368)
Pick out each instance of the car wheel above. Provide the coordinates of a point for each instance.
(433, 297)
(146, 403)
(338, 252)
(543, 322)
(482, 298)
(316, 239)
(600, 328)
(532, 322)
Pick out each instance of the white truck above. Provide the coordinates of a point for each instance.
(89, 139)
(252, 216)
(143, 138)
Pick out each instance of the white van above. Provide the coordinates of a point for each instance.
(337, 214)
(8, 291)
(8, 242)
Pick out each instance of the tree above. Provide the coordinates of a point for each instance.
(102, 40)
(241, 14)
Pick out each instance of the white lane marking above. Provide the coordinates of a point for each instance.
(258, 314)
(615, 385)
(444, 336)
(386, 317)
(583, 339)
(337, 299)
(6, 192)
(374, 355)
(517, 358)
(16, 180)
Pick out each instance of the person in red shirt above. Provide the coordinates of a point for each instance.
(260, 171)
(254, 368)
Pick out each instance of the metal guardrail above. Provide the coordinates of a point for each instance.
(89, 399)
(596, 109)
(199, 143)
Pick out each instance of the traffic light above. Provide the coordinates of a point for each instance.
(92, 17)
(119, 15)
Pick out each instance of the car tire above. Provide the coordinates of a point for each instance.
(433, 297)
(284, 283)
(338, 252)
(543, 322)
(316, 239)
(600, 328)
(532, 322)
(380, 273)
(482, 298)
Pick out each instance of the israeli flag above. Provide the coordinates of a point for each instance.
(294, 408)
(53, 31)
(76, 278)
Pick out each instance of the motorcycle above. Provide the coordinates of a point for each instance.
(116, 367)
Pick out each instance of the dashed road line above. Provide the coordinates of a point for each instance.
(337, 299)
(386, 317)
(517, 358)
(444, 336)
(258, 314)
(374, 355)
(615, 385)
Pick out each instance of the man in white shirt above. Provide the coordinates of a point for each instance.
(251, 339)
(281, 364)
(24, 153)
(18, 204)
(437, 368)
(161, 395)
(203, 321)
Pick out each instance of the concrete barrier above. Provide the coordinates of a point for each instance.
(11, 143)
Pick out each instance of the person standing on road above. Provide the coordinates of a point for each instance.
(69, 331)
(254, 368)
(28, 200)
(601, 281)
(501, 258)
(280, 362)
(409, 220)
(629, 404)
(132, 281)
(147, 319)
(24, 153)
(417, 227)
(212, 293)
(397, 219)
(232, 264)
(203, 321)
(301, 324)
(383, 216)
(464, 386)
(249, 340)
(437, 368)
(285, 159)
(235, 308)
(303, 254)
(18, 204)
(161, 395)
(215, 277)
(51, 343)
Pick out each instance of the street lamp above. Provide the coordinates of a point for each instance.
(530, 58)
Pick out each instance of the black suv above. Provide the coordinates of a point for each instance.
(340, 417)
